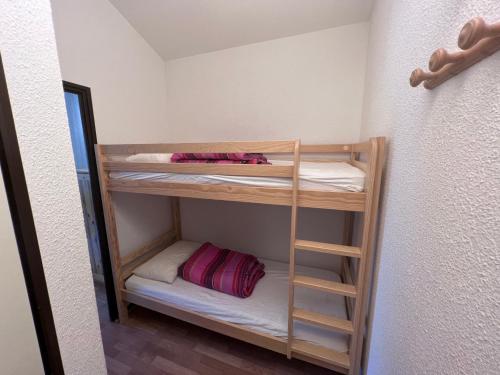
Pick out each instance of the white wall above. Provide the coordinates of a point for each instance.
(437, 297)
(140, 218)
(34, 82)
(308, 86)
(19, 350)
(259, 229)
(98, 48)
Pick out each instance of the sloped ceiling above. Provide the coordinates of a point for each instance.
(180, 28)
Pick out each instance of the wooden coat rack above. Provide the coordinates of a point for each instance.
(477, 41)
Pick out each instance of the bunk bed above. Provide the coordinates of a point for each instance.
(305, 313)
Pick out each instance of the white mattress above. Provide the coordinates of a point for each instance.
(266, 310)
(322, 176)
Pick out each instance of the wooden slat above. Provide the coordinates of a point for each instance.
(337, 200)
(362, 147)
(321, 353)
(328, 248)
(345, 201)
(322, 159)
(330, 322)
(234, 193)
(259, 146)
(320, 149)
(325, 285)
(263, 146)
(263, 170)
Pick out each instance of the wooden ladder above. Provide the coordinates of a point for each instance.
(348, 362)
(344, 326)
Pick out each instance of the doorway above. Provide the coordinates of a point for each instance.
(83, 138)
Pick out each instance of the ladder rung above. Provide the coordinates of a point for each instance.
(325, 285)
(339, 325)
(328, 248)
(321, 353)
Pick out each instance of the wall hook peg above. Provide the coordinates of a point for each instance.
(475, 30)
(418, 76)
(477, 40)
(441, 57)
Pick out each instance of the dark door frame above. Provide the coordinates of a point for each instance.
(87, 114)
(26, 238)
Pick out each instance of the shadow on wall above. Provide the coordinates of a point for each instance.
(261, 230)
(140, 218)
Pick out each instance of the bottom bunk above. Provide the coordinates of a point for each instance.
(260, 319)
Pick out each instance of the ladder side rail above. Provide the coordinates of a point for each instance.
(293, 232)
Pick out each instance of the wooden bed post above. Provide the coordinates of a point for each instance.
(375, 163)
(176, 217)
(293, 231)
(114, 249)
(348, 228)
(346, 261)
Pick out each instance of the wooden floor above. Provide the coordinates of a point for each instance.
(155, 344)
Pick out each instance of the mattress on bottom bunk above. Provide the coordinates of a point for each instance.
(319, 176)
(266, 310)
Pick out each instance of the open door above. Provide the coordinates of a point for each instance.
(83, 138)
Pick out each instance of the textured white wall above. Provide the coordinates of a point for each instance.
(308, 86)
(98, 48)
(34, 82)
(437, 292)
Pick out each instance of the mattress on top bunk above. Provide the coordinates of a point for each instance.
(318, 176)
(266, 310)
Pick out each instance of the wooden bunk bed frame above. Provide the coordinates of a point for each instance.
(356, 260)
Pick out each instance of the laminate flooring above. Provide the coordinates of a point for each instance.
(154, 344)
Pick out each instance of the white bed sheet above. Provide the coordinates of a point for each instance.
(266, 310)
(319, 176)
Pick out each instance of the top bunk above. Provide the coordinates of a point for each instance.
(332, 176)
